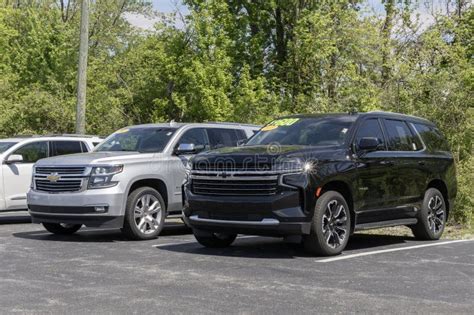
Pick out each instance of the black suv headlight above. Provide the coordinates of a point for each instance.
(294, 172)
(289, 165)
(101, 176)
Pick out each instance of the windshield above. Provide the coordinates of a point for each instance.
(304, 131)
(6, 145)
(143, 140)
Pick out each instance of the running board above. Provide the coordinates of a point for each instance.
(174, 216)
(381, 224)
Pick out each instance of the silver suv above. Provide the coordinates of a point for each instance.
(132, 180)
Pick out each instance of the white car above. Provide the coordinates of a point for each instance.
(18, 155)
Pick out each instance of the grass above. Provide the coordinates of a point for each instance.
(452, 231)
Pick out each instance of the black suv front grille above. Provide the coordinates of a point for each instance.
(235, 185)
(233, 167)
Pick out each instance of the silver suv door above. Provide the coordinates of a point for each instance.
(196, 136)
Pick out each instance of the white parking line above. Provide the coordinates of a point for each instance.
(194, 241)
(382, 251)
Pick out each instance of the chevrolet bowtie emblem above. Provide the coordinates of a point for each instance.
(53, 177)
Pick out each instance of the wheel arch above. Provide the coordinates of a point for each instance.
(155, 183)
(443, 188)
(344, 189)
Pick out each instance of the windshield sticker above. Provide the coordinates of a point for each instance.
(279, 123)
(344, 130)
(169, 133)
(122, 131)
(284, 122)
(269, 127)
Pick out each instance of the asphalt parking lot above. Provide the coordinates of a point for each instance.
(101, 272)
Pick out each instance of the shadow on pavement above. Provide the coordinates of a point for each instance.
(97, 236)
(14, 217)
(277, 248)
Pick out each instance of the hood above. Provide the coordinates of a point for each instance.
(94, 158)
(261, 157)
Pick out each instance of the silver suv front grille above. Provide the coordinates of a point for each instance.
(47, 170)
(59, 179)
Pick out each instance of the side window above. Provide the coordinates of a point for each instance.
(196, 136)
(432, 137)
(220, 137)
(241, 135)
(66, 147)
(84, 147)
(33, 152)
(400, 137)
(371, 128)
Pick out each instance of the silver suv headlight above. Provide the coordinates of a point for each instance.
(101, 176)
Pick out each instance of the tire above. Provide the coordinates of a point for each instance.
(330, 227)
(145, 214)
(62, 228)
(214, 240)
(432, 216)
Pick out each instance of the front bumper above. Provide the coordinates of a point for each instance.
(94, 208)
(270, 227)
(277, 215)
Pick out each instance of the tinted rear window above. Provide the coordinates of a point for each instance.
(66, 147)
(432, 137)
(400, 137)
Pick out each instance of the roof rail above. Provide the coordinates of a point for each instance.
(230, 123)
(55, 135)
(71, 135)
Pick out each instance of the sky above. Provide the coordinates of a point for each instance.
(168, 6)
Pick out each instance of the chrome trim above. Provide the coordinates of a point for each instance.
(232, 173)
(61, 214)
(84, 178)
(265, 221)
(234, 178)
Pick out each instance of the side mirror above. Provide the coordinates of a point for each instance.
(241, 142)
(14, 158)
(188, 148)
(368, 144)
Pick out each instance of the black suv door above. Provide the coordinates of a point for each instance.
(373, 169)
(408, 179)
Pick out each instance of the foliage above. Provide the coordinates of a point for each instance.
(245, 61)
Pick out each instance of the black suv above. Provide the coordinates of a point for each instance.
(322, 177)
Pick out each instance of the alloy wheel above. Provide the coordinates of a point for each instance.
(334, 224)
(436, 214)
(147, 214)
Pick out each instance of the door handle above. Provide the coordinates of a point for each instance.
(388, 163)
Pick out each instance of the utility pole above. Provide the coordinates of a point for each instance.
(82, 70)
